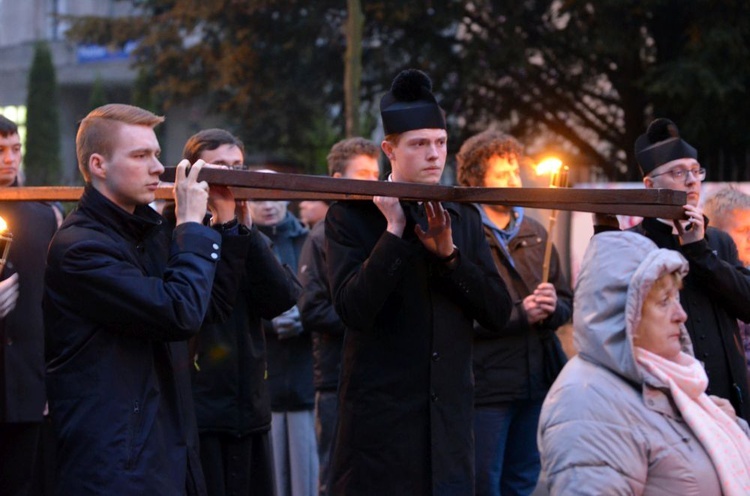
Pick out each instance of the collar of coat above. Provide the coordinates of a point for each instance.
(135, 227)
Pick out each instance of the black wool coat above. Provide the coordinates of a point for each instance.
(22, 394)
(406, 390)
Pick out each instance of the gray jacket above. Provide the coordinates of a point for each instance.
(607, 426)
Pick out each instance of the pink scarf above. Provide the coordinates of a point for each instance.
(724, 441)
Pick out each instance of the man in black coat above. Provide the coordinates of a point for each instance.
(408, 280)
(352, 158)
(716, 291)
(511, 374)
(229, 374)
(123, 295)
(22, 395)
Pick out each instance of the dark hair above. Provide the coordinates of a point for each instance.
(476, 151)
(209, 139)
(7, 127)
(98, 130)
(345, 150)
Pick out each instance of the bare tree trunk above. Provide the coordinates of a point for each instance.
(353, 66)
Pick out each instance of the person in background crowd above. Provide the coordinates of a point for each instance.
(229, 375)
(729, 210)
(408, 279)
(629, 414)
(22, 394)
(353, 158)
(312, 211)
(124, 292)
(289, 364)
(668, 161)
(513, 372)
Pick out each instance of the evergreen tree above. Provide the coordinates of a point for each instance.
(42, 150)
(98, 95)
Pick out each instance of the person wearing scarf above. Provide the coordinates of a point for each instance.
(629, 414)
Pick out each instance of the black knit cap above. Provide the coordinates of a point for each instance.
(661, 144)
(410, 104)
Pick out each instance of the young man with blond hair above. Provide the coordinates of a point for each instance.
(123, 295)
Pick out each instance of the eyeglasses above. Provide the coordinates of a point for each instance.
(682, 174)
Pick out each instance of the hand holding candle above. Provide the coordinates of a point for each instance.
(8, 287)
(558, 179)
(6, 238)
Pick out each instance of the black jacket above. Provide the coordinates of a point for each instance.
(289, 359)
(716, 293)
(22, 395)
(318, 315)
(229, 376)
(122, 297)
(406, 391)
(510, 366)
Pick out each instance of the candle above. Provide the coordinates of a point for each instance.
(6, 238)
(558, 179)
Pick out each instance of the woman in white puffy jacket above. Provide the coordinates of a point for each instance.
(629, 414)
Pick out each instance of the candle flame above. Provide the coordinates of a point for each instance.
(3, 225)
(549, 165)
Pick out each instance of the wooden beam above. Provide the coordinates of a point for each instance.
(254, 185)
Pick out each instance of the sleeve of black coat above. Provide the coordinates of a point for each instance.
(234, 248)
(475, 281)
(110, 290)
(720, 273)
(363, 278)
(315, 305)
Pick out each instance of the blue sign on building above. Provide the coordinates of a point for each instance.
(100, 53)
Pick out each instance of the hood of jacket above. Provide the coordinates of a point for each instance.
(617, 274)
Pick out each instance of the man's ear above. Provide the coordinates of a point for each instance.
(648, 182)
(97, 166)
(387, 147)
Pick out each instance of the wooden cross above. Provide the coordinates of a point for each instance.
(253, 185)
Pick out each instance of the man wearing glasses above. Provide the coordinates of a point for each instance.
(716, 291)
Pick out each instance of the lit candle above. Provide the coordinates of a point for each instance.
(558, 179)
(6, 238)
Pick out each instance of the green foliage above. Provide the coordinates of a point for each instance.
(42, 150)
(581, 76)
(98, 95)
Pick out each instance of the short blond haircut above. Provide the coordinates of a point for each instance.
(98, 131)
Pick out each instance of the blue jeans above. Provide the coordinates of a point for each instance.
(507, 458)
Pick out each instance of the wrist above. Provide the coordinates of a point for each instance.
(452, 259)
(224, 226)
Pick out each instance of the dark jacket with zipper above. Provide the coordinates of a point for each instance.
(229, 376)
(123, 295)
(510, 366)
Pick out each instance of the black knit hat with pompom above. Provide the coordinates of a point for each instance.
(410, 104)
(661, 144)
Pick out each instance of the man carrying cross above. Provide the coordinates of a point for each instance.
(408, 280)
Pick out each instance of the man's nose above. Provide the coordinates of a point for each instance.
(158, 166)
